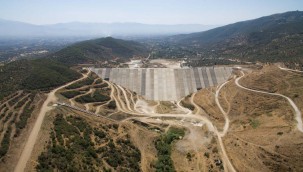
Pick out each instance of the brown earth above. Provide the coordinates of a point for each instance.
(263, 134)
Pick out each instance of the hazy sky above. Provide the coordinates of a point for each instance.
(209, 12)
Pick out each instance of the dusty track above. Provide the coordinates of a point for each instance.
(123, 102)
(28, 148)
(282, 68)
(297, 114)
(150, 116)
(226, 125)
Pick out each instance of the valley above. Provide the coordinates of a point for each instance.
(225, 99)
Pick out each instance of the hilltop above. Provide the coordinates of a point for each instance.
(99, 49)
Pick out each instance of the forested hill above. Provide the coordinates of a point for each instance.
(272, 38)
(99, 49)
(41, 74)
(53, 71)
(263, 29)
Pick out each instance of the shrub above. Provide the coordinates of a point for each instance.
(95, 97)
(112, 104)
(254, 123)
(163, 145)
(87, 81)
(70, 94)
(188, 106)
(5, 142)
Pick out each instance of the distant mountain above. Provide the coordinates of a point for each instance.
(99, 49)
(276, 37)
(20, 29)
(261, 29)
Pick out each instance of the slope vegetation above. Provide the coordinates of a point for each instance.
(39, 74)
(275, 38)
(99, 49)
(262, 29)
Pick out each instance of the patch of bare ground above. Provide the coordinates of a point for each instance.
(265, 149)
(205, 98)
(197, 151)
(151, 102)
(262, 134)
(166, 107)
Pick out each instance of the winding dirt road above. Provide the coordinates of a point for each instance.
(226, 125)
(46, 107)
(282, 68)
(298, 113)
(148, 115)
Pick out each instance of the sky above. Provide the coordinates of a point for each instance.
(208, 12)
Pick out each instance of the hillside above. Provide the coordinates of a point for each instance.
(39, 74)
(258, 30)
(52, 71)
(272, 38)
(99, 49)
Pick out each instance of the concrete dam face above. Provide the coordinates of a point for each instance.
(165, 84)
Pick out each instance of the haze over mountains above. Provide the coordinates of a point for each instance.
(20, 29)
(274, 38)
(260, 29)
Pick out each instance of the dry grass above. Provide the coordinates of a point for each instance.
(263, 134)
(206, 100)
(165, 107)
(273, 79)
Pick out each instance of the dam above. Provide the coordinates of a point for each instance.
(165, 84)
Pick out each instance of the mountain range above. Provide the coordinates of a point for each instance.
(20, 29)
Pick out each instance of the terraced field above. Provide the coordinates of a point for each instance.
(16, 112)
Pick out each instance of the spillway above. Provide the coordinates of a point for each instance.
(165, 84)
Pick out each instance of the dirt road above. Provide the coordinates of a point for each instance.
(226, 125)
(298, 113)
(282, 68)
(28, 148)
